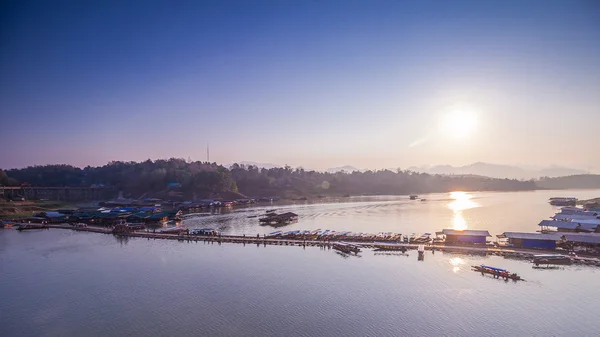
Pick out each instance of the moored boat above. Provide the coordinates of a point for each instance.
(497, 272)
(27, 226)
(551, 259)
(6, 224)
(562, 201)
(346, 248)
(425, 238)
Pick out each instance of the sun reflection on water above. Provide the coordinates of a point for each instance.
(462, 201)
(456, 262)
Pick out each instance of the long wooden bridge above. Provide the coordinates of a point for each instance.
(499, 251)
(58, 193)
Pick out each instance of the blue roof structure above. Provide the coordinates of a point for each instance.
(582, 238)
(532, 236)
(559, 224)
(466, 232)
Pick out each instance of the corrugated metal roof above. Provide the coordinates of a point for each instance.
(533, 236)
(578, 212)
(559, 224)
(466, 232)
(561, 216)
(588, 226)
(583, 238)
(596, 222)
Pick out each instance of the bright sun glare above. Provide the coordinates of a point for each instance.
(461, 201)
(460, 123)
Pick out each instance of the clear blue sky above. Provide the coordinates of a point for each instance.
(308, 83)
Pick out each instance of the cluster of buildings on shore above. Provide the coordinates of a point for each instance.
(572, 229)
(104, 216)
(134, 212)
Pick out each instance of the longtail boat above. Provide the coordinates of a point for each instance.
(549, 259)
(497, 272)
(346, 248)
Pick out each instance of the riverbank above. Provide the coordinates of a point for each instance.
(258, 240)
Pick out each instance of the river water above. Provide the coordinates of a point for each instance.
(497, 212)
(65, 283)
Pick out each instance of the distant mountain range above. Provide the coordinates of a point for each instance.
(477, 169)
(346, 168)
(259, 165)
(499, 171)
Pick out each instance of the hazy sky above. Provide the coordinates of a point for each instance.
(374, 84)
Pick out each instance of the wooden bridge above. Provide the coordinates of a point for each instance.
(525, 254)
(59, 193)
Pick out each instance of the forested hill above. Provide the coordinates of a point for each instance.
(163, 178)
(574, 181)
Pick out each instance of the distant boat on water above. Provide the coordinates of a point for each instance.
(548, 259)
(561, 201)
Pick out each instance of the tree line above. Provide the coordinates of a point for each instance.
(189, 179)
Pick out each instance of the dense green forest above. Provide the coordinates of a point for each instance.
(574, 181)
(184, 179)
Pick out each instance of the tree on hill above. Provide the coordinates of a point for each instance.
(205, 179)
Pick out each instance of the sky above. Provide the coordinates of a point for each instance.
(317, 84)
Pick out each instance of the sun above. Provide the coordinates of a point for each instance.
(460, 123)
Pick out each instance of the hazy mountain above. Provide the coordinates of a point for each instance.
(500, 171)
(346, 168)
(260, 165)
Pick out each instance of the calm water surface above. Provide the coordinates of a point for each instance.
(497, 212)
(64, 283)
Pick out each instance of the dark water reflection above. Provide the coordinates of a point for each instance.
(63, 283)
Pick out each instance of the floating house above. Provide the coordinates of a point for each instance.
(575, 216)
(570, 226)
(532, 240)
(561, 201)
(466, 236)
(582, 239)
(272, 218)
(51, 217)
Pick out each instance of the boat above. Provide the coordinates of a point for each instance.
(274, 234)
(497, 272)
(28, 226)
(346, 248)
(204, 232)
(562, 201)
(548, 259)
(6, 224)
(413, 197)
(274, 219)
(385, 247)
(425, 238)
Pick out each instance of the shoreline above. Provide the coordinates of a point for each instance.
(237, 239)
